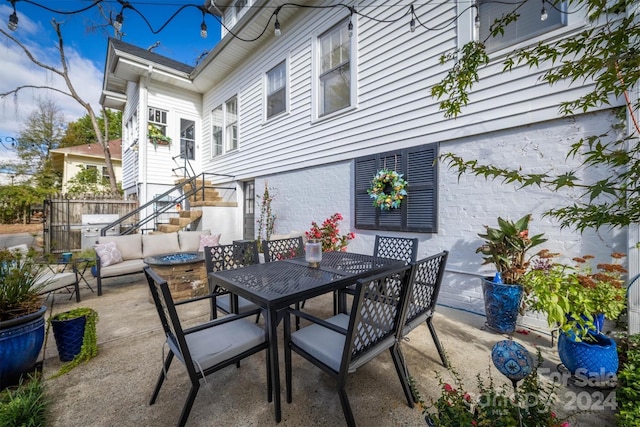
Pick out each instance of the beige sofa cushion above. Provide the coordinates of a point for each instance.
(130, 246)
(157, 244)
(190, 240)
(125, 267)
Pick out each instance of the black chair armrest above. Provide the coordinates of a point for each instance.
(317, 321)
(220, 321)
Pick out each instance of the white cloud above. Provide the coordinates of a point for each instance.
(17, 70)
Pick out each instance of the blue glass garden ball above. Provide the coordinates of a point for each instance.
(511, 359)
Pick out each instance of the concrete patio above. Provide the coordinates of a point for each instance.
(114, 388)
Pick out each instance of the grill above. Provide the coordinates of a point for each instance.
(91, 226)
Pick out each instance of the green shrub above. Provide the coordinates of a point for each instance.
(25, 406)
(628, 391)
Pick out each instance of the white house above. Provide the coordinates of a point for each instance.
(341, 93)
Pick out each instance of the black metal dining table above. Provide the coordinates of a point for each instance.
(275, 286)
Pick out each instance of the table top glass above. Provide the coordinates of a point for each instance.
(177, 258)
(293, 279)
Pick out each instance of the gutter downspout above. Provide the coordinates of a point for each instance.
(144, 136)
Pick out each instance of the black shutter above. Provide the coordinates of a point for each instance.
(418, 212)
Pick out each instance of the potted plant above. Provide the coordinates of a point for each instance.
(157, 136)
(75, 335)
(575, 299)
(506, 248)
(21, 314)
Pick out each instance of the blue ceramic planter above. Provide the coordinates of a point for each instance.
(20, 344)
(595, 360)
(69, 335)
(501, 305)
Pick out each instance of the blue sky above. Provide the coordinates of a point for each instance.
(85, 50)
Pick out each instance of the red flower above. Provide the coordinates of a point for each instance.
(448, 388)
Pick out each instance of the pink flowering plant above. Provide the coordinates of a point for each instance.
(329, 234)
(530, 405)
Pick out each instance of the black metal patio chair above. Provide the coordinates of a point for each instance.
(400, 248)
(205, 348)
(281, 249)
(424, 288)
(229, 257)
(343, 343)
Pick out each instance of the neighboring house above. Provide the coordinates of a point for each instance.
(71, 160)
(316, 112)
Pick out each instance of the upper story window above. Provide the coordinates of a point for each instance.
(528, 25)
(224, 127)
(240, 7)
(334, 88)
(159, 119)
(277, 89)
(187, 139)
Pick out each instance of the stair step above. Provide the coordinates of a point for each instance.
(215, 203)
(168, 228)
(191, 214)
(182, 222)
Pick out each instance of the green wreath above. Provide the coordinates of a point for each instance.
(387, 189)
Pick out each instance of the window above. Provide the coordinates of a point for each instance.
(239, 7)
(527, 25)
(187, 139)
(105, 175)
(224, 127)
(335, 70)
(419, 210)
(216, 131)
(159, 119)
(231, 122)
(277, 89)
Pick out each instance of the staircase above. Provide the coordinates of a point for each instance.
(188, 193)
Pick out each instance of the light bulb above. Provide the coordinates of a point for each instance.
(277, 31)
(350, 29)
(544, 15)
(13, 22)
(118, 23)
(203, 30)
(412, 25)
(477, 21)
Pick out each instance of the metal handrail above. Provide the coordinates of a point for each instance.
(157, 212)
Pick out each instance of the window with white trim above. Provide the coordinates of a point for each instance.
(231, 124)
(216, 131)
(334, 89)
(158, 118)
(187, 139)
(528, 25)
(240, 7)
(276, 90)
(224, 127)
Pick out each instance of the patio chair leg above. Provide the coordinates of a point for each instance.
(398, 361)
(441, 352)
(167, 363)
(99, 284)
(269, 384)
(346, 407)
(186, 410)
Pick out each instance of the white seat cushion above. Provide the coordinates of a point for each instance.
(322, 343)
(211, 346)
(55, 281)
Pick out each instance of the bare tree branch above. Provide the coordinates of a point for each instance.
(19, 88)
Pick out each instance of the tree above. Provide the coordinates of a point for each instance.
(42, 133)
(605, 53)
(63, 72)
(81, 131)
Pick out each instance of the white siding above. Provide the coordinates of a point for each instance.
(396, 69)
(130, 142)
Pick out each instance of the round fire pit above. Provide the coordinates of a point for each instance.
(175, 258)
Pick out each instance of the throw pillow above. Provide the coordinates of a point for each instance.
(108, 253)
(209, 240)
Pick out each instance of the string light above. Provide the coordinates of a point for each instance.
(350, 26)
(13, 18)
(203, 27)
(118, 23)
(277, 31)
(7, 140)
(412, 23)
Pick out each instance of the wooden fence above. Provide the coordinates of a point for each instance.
(62, 231)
